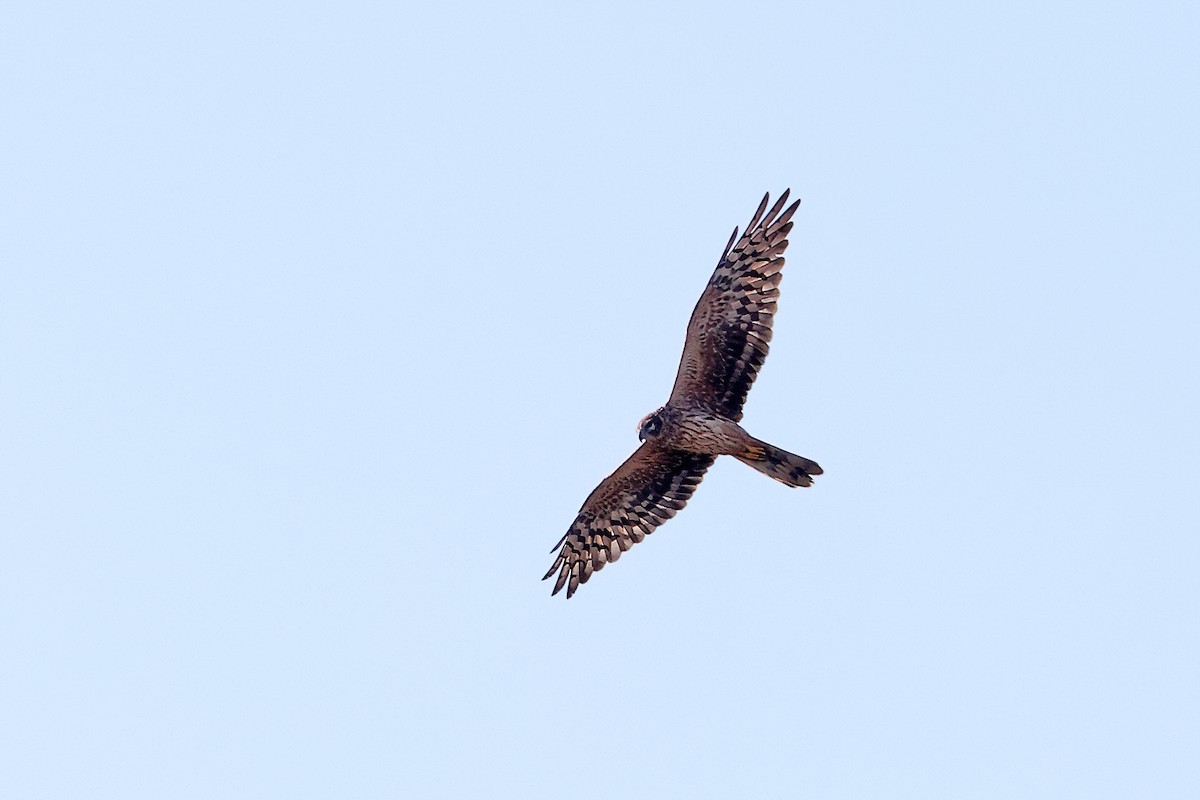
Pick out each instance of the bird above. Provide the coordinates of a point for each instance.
(726, 343)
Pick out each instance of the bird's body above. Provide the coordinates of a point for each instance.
(698, 431)
(725, 346)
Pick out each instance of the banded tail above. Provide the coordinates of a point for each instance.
(785, 467)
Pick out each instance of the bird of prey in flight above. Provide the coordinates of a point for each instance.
(726, 343)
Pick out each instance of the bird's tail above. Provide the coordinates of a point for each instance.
(785, 467)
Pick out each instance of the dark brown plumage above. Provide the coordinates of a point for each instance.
(727, 341)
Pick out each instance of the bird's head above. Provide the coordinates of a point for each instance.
(650, 426)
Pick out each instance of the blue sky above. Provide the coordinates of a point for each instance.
(318, 323)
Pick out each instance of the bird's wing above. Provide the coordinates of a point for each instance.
(643, 493)
(731, 325)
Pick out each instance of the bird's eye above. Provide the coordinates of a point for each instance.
(651, 426)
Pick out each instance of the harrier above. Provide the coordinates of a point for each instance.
(726, 344)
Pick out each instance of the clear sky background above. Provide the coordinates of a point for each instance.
(319, 321)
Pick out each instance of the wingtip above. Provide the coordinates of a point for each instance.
(762, 206)
(772, 215)
(784, 223)
(729, 244)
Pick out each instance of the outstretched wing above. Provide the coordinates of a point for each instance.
(643, 493)
(731, 325)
